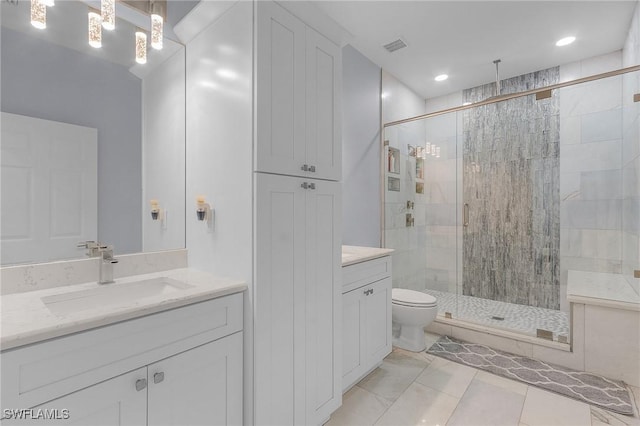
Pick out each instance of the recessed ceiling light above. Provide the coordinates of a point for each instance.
(442, 77)
(565, 41)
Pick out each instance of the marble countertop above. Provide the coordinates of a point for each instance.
(356, 254)
(604, 289)
(26, 319)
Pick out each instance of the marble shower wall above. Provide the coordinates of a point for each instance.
(591, 154)
(511, 155)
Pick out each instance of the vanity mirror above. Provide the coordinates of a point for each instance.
(89, 136)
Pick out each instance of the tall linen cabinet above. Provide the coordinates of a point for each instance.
(264, 147)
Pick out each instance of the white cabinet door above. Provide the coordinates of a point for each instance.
(367, 329)
(110, 403)
(353, 327)
(202, 386)
(279, 300)
(377, 304)
(280, 91)
(323, 287)
(323, 124)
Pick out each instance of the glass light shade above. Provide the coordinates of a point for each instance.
(141, 47)
(108, 8)
(95, 29)
(38, 14)
(156, 31)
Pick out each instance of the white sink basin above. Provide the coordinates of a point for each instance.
(111, 294)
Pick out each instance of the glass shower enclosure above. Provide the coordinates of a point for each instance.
(489, 205)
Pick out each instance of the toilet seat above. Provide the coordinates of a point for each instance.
(412, 298)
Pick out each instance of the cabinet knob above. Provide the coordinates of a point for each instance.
(141, 384)
(158, 377)
(306, 185)
(305, 168)
(312, 169)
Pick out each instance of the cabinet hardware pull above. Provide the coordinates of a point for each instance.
(158, 377)
(312, 186)
(304, 185)
(368, 292)
(141, 384)
(305, 168)
(312, 169)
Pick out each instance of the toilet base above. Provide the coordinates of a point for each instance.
(410, 338)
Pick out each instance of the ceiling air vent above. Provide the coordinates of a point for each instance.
(395, 45)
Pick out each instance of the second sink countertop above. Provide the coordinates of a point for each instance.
(357, 254)
(26, 319)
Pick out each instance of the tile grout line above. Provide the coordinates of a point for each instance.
(524, 401)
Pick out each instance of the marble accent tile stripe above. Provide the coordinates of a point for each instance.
(586, 387)
(511, 184)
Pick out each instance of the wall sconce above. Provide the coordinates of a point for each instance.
(158, 214)
(204, 212)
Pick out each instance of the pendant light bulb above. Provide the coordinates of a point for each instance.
(95, 28)
(38, 14)
(157, 24)
(108, 9)
(141, 47)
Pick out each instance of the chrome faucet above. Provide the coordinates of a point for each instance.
(105, 253)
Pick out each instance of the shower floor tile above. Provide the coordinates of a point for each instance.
(519, 318)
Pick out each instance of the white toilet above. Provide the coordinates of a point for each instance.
(411, 312)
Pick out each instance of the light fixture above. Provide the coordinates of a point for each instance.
(156, 31)
(434, 148)
(108, 9)
(141, 46)
(204, 212)
(48, 3)
(95, 28)
(441, 77)
(565, 41)
(428, 148)
(38, 14)
(438, 152)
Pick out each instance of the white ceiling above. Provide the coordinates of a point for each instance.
(462, 38)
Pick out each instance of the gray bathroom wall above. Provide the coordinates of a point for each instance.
(178, 9)
(51, 82)
(360, 149)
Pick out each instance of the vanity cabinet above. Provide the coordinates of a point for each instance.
(297, 299)
(297, 94)
(366, 318)
(182, 366)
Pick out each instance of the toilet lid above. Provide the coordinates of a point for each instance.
(408, 297)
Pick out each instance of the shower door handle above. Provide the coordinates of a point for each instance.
(465, 215)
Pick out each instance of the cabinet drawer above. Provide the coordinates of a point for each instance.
(359, 274)
(43, 371)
